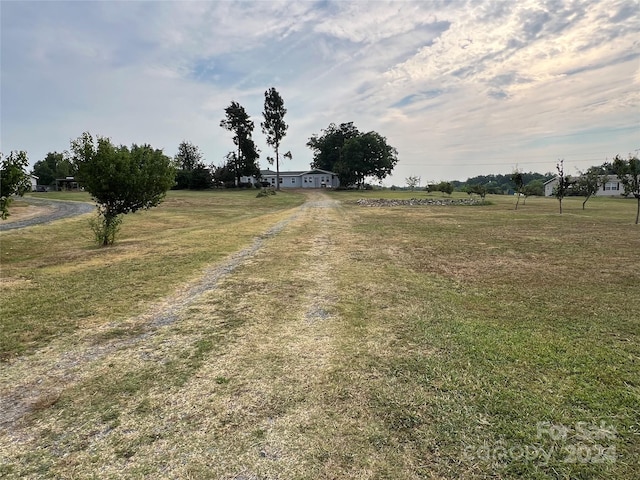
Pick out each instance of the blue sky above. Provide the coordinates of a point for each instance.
(460, 88)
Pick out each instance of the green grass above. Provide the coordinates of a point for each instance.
(360, 342)
(65, 195)
(56, 280)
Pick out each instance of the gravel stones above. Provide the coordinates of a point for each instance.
(366, 202)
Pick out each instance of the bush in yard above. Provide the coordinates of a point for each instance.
(120, 179)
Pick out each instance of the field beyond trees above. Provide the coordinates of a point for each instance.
(302, 336)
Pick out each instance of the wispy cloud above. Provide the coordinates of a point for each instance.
(460, 88)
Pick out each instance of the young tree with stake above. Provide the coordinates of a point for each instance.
(564, 182)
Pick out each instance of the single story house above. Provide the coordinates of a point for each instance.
(611, 188)
(34, 182)
(315, 178)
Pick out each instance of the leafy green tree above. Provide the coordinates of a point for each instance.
(589, 183)
(54, 165)
(188, 156)
(14, 179)
(518, 180)
(224, 175)
(201, 178)
(192, 173)
(120, 180)
(561, 190)
(354, 156)
(327, 147)
(274, 126)
(244, 160)
(534, 188)
(628, 172)
(478, 189)
(444, 187)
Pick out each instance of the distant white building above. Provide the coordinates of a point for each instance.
(315, 178)
(611, 188)
(34, 182)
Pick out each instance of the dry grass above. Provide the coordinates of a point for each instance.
(355, 343)
(20, 210)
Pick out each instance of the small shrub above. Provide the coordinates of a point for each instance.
(265, 192)
(104, 231)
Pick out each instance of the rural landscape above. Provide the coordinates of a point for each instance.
(236, 242)
(310, 334)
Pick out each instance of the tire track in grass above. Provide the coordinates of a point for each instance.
(249, 403)
(40, 378)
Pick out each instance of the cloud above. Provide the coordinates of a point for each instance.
(451, 84)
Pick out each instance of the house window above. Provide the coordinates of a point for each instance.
(280, 180)
(293, 180)
(305, 179)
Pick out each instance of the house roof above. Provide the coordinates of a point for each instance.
(297, 173)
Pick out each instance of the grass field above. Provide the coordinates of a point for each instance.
(348, 342)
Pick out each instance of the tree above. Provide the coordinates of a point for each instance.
(201, 177)
(564, 184)
(478, 189)
(327, 147)
(224, 175)
(628, 172)
(518, 181)
(188, 156)
(274, 127)
(444, 187)
(13, 179)
(534, 188)
(54, 165)
(589, 183)
(531, 189)
(120, 180)
(192, 172)
(354, 156)
(237, 121)
(412, 182)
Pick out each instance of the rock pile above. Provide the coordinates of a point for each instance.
(366, 202)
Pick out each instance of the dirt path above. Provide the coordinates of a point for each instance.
(41, 210)
(30, 382)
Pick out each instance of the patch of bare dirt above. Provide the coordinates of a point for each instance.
(39, 210)
(18, 213)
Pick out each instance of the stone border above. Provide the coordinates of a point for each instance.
(365, 202)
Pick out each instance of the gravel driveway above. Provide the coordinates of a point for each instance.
(57, 209)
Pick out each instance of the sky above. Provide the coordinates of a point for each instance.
(459, 88)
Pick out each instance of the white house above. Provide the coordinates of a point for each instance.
(611, 188)
(34, 182)
(315, 178)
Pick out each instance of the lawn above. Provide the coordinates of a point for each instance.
(352, 342)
